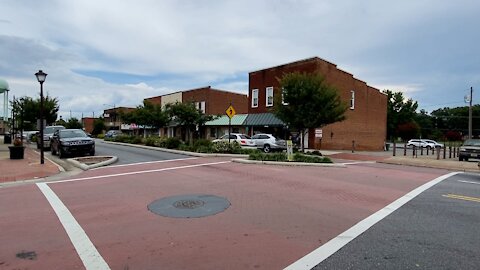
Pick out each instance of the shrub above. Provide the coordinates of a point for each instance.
(268, 156)
(185, 147)
(202, 143)
(101, 136)
(172, 143)
(298, 157)
(225, 147)
(152, 141)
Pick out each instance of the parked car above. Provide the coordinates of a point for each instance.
(424, 143)
(242, 139)
(71, 141)
(469, 149)
(268, 142)
(113, 133)
(47, 136)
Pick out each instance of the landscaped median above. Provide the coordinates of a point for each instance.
(205, 148)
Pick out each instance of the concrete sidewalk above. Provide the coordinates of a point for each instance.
(12, 170)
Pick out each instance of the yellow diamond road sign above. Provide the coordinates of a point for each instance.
(230, 111)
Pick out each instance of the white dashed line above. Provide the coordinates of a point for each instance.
(469, 182)
(323, 252)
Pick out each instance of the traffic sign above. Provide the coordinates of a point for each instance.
(230, 111)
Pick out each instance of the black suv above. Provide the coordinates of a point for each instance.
(71, 141)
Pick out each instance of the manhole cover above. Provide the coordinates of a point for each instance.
(189, 206)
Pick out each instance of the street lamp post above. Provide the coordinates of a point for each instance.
(41, 76)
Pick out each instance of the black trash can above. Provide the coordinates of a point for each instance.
(7, 139)
(387, 146)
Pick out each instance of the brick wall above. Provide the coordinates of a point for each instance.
(216, 101)
(365, 124)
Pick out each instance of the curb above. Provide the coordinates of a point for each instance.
(246, 161)
(85, 167)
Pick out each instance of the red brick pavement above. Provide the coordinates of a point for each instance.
(23, 169)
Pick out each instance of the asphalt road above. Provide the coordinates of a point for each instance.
(129, 155)
(436, 230)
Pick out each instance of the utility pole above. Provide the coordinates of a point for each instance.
(470, 114)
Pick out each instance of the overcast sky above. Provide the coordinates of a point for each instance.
(100, 53)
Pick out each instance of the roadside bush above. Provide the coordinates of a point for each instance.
(298, 157)
(185, 147)
(283, 157)
(202, 143)
(135, 140)
(314, 153)
(101, 136)
(172, 143)
(246, 151)
(225, 147)
(152, 141)
(268, 156)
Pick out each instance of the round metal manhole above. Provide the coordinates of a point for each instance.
(189, 206)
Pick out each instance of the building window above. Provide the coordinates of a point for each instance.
(283, 100)
(352, 100)
(200, 106)
(269, 95)
(254, 98)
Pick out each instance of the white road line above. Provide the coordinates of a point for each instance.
(86, 250)
(323, 252)
(138, 172)
(469, 182)
(141, 163)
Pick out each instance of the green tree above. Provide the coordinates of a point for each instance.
(311, 102)
(28, 110)
(399, 111)
(408, 130)
(187, 116)
(426, 124)
(73, 123)
(147, 114)
(98, 126)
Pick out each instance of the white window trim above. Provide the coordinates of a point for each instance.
(266, 96)
(254, 96)
(283, 100)
(352, 100)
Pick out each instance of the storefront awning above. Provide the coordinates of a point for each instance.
(237, 120)
(263, 119)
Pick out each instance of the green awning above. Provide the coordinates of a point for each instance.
(237, 120)
(263, 119)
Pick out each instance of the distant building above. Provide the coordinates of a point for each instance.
(112, 117)
(366, 118)
(209, 100)
(88, 124)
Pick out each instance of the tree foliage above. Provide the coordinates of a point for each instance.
(28, 110)
(187, 116)
(399, 111)
(73, 123)
(98, 126)
(147, 114)
(311, 102)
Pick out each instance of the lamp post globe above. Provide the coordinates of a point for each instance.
(41, 76)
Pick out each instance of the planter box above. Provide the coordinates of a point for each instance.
(16, 152)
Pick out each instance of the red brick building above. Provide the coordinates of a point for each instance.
(88, 123)
(210, 101)
(366, 118)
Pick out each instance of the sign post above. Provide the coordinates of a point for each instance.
(289, 150)
(230, 113)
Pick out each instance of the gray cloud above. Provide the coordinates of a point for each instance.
(424, 47)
